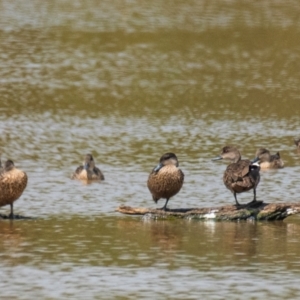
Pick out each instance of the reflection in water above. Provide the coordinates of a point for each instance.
(132, 242)
(10, 236)
(114, 252)
(128, 81)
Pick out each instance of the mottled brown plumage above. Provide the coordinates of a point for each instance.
(12, 184)
(268, 161)
(88, 171)
(166, 179)
(241, 175)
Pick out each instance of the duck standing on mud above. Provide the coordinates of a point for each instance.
(166, 179)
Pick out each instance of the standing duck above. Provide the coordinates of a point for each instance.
(166, 179)
(241, 175)
(268, 161)
(88, 171)
(12, 184)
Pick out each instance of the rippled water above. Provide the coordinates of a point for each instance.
(128, 81)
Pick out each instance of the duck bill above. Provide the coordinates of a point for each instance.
(158, 167)
(217, 158)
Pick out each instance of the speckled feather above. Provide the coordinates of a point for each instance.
(165, 183)
(12, 185)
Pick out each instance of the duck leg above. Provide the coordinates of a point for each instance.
(165, 206)
(11, 215)
(254, 202)
(254, 193)
(237, 203)
(254, 198)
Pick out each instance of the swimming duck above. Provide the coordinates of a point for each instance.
(297, 143)
(88, 171)
(12, 184)
(166, 179)
(268, 161)
(241, 175)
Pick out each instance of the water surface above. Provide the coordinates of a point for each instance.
(128, 81)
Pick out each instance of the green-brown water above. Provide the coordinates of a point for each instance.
(128, 81)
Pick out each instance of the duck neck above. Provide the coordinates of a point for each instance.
(237, 157)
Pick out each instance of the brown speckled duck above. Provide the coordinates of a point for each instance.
(88, 171)
(12, 184)
(241, 175)
(166, 179)
(268, 161)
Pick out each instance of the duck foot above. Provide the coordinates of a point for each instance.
(238, 206)
(254, 203)
(163, 208)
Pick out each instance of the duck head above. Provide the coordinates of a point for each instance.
(167, 159)
(229, 152)
(89, 162)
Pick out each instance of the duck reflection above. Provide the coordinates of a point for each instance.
(11, 242)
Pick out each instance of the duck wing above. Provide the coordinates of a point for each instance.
(77, 172)
(237, 171)
(236, 176)
(98, 172)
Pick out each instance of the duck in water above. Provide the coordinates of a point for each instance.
(241, 175)
(12, 184)
(297, 143)
(268, 161)
(166, 179)
(88, 171)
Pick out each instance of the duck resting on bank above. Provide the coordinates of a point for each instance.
(241, 175)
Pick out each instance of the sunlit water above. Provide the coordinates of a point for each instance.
(128, 82)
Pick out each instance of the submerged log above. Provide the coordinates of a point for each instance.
(258, 211)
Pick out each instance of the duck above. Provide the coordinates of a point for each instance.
(241, 175)
(12, 185)
(297, 143)
(268, 161)
(166, 179)
(88, 170)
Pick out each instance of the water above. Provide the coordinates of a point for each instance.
(128, 81)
